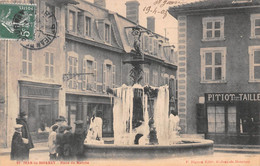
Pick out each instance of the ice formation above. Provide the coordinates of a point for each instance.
(123, 116)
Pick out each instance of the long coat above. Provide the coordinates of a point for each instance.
(25, 132)
(18, 148)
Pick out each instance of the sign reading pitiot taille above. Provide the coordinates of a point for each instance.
(231, 97)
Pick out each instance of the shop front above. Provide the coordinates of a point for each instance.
(230, 118)
(41, 104)
(83, 107)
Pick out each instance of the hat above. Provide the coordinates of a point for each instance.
(22, 114)
(18, 126)
(68, 127)
(60, 118)
(78, 122)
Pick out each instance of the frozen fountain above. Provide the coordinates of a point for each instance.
(142, 132)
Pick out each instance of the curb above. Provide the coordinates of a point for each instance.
(228, 150)
(34, 150)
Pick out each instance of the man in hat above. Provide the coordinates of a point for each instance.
(60, 121)
(79, 137)
(18, 146)
(25, 132)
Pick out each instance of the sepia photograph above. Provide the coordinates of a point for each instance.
(130, 82)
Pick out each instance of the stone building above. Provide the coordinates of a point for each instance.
(218, 79)
(69, 77)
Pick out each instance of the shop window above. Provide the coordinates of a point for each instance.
(213, 28)
(104, 111)
(27, 62)
(213, 65)
(49, 65)
(232, 119)
(254, 60)
(109, 76)
(255, 25)
(155, 78)
(88, 26)
(72, 21)
(216, 119)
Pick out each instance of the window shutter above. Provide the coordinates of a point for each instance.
(104, 77)
(95, 75)
(114, 75)
(202, 67)
(223, 59)
(84, 77)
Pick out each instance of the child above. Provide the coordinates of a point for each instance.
(52, 142)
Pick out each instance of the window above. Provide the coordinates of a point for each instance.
(88, 26)
(109, 75)
(150, 44)
(80, 22)
(255, 25)
(213, 28)
(49, 65)
(72, 21)
(254, 63)
(216, 119)
(155, 78)
(146, 76)
(155, 47)
(213, 64)
(172, 87)
(222, 118)
(107, 33)
(48, 24)
(89, 80)
(27, 62)
(145, 43)
(72, 69)
(166, 79)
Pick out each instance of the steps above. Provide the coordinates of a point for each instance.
(251, 149)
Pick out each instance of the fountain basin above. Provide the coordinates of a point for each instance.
(188, 147)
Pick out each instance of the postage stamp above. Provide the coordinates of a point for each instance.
(17, 21)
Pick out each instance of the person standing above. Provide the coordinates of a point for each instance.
(25, 133)
(67, 143)
(18, 146)
(52, 143)
(79, 137)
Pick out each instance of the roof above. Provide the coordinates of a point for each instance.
(212, 4)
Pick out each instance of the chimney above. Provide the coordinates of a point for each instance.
(100, 3)
(132, 11)
(151, 23)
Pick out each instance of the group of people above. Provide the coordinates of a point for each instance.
(65, 144)
(62, 142)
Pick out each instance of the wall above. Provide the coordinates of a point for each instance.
(237, 32)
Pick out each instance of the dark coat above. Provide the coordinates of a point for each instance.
(18, 148)
(25, 132)
(79, 137)
(67, 145)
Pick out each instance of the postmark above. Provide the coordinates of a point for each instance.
(45, 33)
(17, 21)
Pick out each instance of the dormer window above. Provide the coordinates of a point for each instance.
(72, 21)
(107, 33)
(88, 26)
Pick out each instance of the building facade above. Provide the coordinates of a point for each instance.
(70, 76)
(218, 79)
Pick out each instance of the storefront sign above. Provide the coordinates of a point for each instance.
(231, 97)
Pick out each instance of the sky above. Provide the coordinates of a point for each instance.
(165, 24)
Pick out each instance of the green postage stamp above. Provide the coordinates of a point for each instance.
(17, 21)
